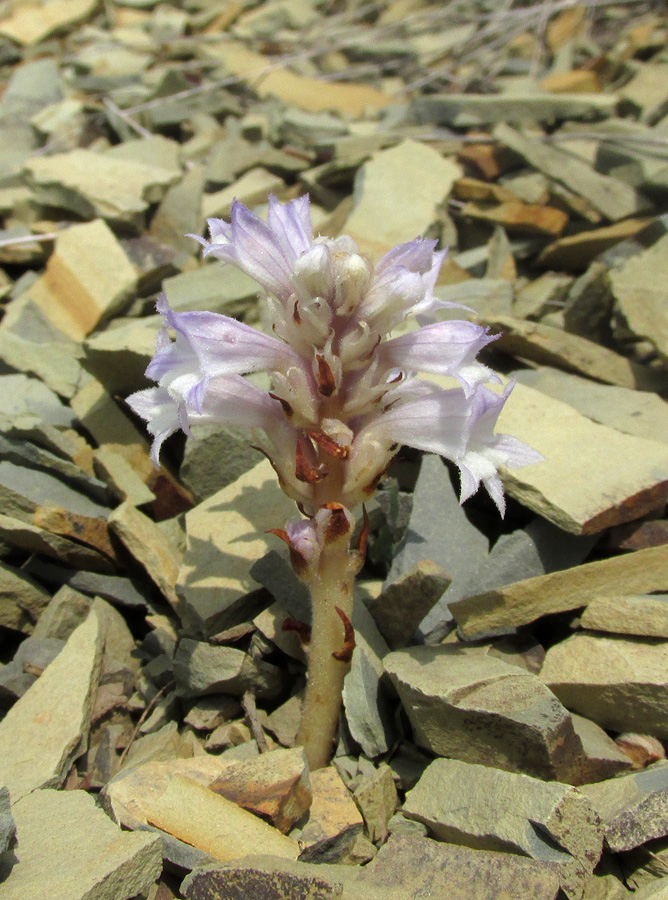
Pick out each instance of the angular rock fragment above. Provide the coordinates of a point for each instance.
(69, 848)
(525, 108)
(632, 807)
(464, 704)
(7, 823)
(274, 785)
(618, 477)
(645, 615)
(525, 601)
(201, 668)
(21, 599)
(403, 604)
(421, 179)
(227, 533)
(603, 757)
(48, 727)
(88, 279)
(487, 809)
(618, 682)
(333, 814)
(610, 196)
(26, 26)
(376, 798)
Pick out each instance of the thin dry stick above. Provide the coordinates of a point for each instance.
(149, 708)
(253, 720)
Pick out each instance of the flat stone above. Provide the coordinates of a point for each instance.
(657, 889)
(21, 395)
(118, 356)
(376, 798)
(468, 110)
(88, 279)
(214, 457)
(201, 668)
(442, 534)
(198, 816)
(641, 413)
(55, 363)
(402, 605)
(212, 287)
(618, 682)
(68, 848)
(541, 296)
(179, 214)
(646, 91)
(274, 785)
(27, 28)
(603, 758)
(47, 728)
(96, 185)
(546, 345)
(645, 615)
(638, 289)
(487, 809)
(421, 181)
(122, 479)
(251, 189)
(474, 707)
(310, 94)
(409, 867)
(613, 198)
(149, 546)
(226, 535)
(28, 663)
(618, 478)
(518, 217)
(21, 599)
(574, 252)
(333, 811)
(525, 601)
(115, 588)
(633, 807)
(34, 539)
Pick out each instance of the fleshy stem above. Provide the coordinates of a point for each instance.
(330, 578)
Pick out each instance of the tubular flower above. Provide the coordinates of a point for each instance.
(344, 394)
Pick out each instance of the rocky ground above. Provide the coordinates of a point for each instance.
(508, 696)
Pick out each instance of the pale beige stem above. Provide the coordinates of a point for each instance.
(332, 587)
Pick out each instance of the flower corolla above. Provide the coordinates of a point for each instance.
(344, 394)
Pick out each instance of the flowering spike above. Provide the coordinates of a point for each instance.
(326, 382)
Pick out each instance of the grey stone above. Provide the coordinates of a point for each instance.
(611, 197)
(21, 599)
(440, 532)
(40, 488)
(641, 413)
(70, 848)
(117, 589)
(118, 356)
(34, 539)
(467, 110)
(633, 808)
(618, 682)
(366, 706)
(215, 457)
(603, 758)
(7, 823)
(487, 809)
(30, 660)
(212, 287)
(201, 668)
(474, 707)
(402, 605)
(22, 395)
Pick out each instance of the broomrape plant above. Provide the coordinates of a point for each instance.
(344, 397)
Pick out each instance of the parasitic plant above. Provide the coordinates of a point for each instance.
(344, 397)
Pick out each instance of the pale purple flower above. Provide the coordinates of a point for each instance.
(344, 393)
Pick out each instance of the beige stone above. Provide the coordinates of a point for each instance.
(21, 599)
(398, 194)
(297, 90)
(47, 728)
(28, 25)
(645, 615)
(612, 197)
(149, 546)
(487, 809)
(227, 533)
(592, 477)
(525, 601)
(251, 189)
(94, 184)
(465, 704)
(274, 785)
(88, 278)
(575, 251)
(333, 811)
(376, 798)
(69, 849)
(618, 682)
(518, 217)
(204, 819)
(639, 289)
(122, 478)
(646, 91)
